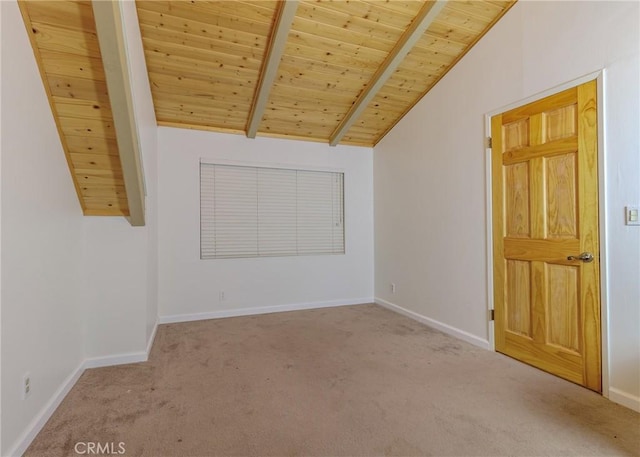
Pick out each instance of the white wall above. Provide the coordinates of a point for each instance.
(0, 235)
(429, 172)
(189, 285)
(42, 247)
(114, 298)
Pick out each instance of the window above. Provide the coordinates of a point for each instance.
(260, 212)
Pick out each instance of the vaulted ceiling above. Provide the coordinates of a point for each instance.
(206, 59)
(340, 72)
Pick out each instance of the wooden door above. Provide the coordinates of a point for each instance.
(545, 214)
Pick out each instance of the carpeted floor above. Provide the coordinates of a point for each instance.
(348, 381)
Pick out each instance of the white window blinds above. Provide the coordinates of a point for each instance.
(257, 212)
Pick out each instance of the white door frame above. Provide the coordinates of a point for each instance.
(599, 76)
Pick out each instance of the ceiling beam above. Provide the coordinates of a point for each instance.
(278, 41)
(109, 27)
(409, 38)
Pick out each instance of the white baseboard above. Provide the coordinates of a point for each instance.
(624, 399)
(43, 416)
(260, 310)
(461, 334)
(152, 338)
(111, 360)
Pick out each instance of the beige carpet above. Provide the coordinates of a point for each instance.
(346, 381)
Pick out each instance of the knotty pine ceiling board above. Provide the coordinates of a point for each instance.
(65, 44)
(453, 33)
(333, 51)
(204, 59)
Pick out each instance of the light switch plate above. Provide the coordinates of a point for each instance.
(632, 215)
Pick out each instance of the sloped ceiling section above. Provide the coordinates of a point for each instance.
(205, 61)
(64, 40)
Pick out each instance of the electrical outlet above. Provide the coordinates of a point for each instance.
(221, 295)
(393, 287)
(26, 386)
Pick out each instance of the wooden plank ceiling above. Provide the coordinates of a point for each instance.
(205, 61)
(331, 71)
(64, 40)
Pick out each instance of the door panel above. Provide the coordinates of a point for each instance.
(560, 123)
(517, 200)
(545, 203)
(519, 297)
(562, 196)
(562, 325)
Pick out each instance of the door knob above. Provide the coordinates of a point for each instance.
(585, 257)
